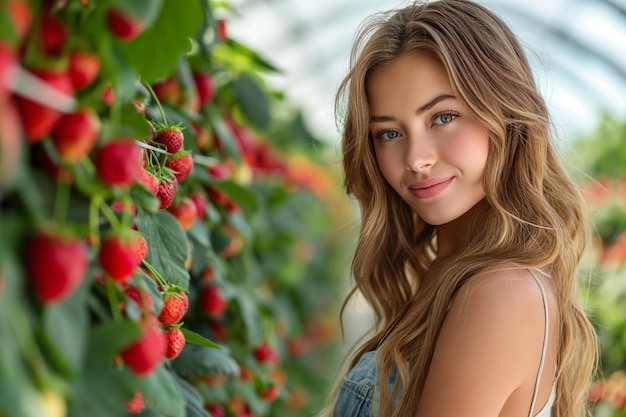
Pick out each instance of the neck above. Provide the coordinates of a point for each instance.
(455, 235)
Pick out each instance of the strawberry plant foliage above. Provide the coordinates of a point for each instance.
(253, 250)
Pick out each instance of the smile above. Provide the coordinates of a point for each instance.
(430, 188)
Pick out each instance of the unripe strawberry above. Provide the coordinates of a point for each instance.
(166, 192)
(185, 212)
(38, 120)
(56, 265)
(118, 256)
(181, 165)
(172, 137)
(84, 67)
(118, 162)
(175, 306)
(175, 342)
(76, 134)
(213, 301)
(124, 26)
(145, 354)
(21, 16)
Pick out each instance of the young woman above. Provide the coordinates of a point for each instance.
(471, 231)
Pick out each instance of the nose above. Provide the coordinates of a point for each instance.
(420, 153)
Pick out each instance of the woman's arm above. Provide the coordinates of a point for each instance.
(489, 347)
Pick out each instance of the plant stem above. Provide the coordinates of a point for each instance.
(156, 100)
(61, 202)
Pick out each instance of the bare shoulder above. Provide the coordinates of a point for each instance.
(505, 289)
(489, 345)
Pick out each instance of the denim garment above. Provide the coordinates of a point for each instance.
(359, 394)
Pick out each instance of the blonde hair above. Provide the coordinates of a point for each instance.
(532, 215)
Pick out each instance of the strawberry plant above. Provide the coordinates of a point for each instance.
(166, 227)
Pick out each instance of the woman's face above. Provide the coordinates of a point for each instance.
(428, 146)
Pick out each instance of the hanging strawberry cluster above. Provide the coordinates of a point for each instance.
(159, 255)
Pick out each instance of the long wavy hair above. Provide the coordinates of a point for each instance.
(532, 215)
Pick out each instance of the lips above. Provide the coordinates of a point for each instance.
(430, 187)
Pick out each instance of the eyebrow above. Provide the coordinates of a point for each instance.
(422, 109)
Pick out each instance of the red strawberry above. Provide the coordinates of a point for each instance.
(118, 256)
(175, 342)
(222, 34)
(222, 171)
(168, 91)
(141, 297)
(135, 405)
(218, 196)
(38, 119)
(108, 95)
(201, 204)
(53, 35)
(76, 134)
(205, 86)
(213, 301)
(216, 410)
(264, 352)
(218, 329)
(166, 192)
(172, 137)
(118, 162)
(185, 212)
(175, 306)
(149, 181)
(181, 165)
(56, 265)
(83, 68)
(269, 393)
(8, 62)
(124, 26)
(145, 354)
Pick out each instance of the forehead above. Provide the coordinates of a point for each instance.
(410, 77)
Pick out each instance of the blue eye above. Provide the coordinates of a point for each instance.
(387, 134)
(445, 117)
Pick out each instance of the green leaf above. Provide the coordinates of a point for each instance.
(253, 101)
(144, 10)
(242, 196)
(106, 340)
(134, 124)
(196, 339)
(155, 53)
(199, 360)
(195, 402)
(167, 245)
(250, 316)
(66, 328)
(223, 132)
(160, 389)
(102, 376)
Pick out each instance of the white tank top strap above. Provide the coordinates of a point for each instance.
(545, 343)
